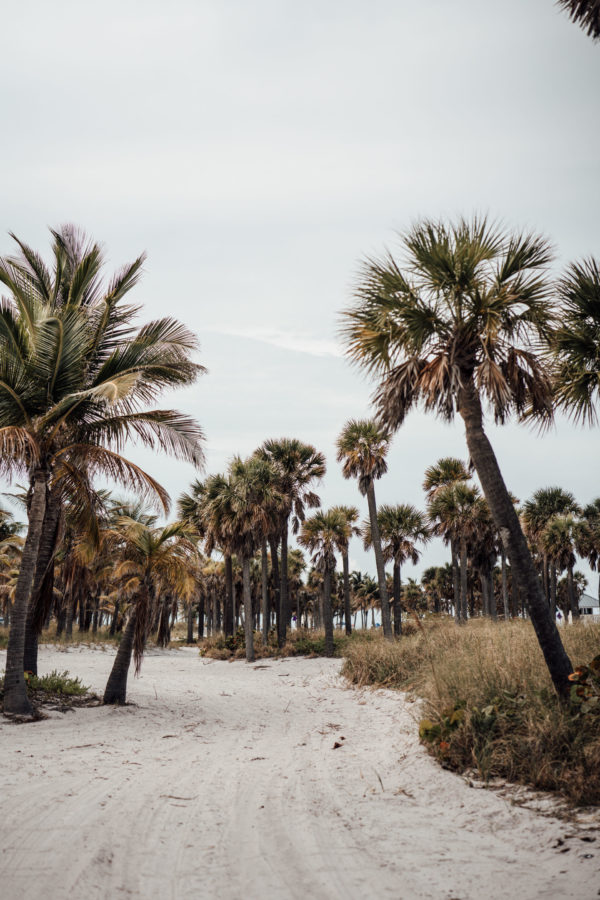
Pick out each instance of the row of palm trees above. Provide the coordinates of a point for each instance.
(468, 318)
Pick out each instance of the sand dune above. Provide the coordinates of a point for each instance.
(223, 782)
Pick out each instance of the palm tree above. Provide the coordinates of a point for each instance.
(252, 501)
(459, 327)
(151, 560)
(362, 447)
(575, 342)
(558, 541)
(349, 516)
(585, 13)
(75, 377)
(448, 470)
(587, 536)
(400, 527)
(546, 504)
(452, 512)
(298, 465)
(322, 534)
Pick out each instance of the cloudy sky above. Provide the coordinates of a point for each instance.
(258, 151)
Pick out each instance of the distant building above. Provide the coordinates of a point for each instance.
(589, 606)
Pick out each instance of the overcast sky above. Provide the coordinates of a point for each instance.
(257, 151)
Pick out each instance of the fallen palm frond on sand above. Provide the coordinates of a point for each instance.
(488, 702)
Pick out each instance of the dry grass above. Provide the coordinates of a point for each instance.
(489, 701)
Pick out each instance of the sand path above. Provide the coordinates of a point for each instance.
(222, 782)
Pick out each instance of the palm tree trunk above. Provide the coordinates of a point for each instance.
(190, 624)
(327, 613)
(228, 595)
(116, 686)
(113, 621)
(386, 619)
(247, 609)
(507, 523)
(43, 583)
(546, 578)
(347, 610)
(571, 591)
(16, 701)
(201, 618)
(553, 579)
(397, 607)
(455, 580)
(273, 545)
(504, 586)
(284, 611)
(463, 580)
(265, 593)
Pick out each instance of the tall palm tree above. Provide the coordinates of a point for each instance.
(537, 512)
(349, 516)
(253, 500)
(558, 541)
(587, 536)
(203, 509)
(453, 515)
(400, 527)
(585, 13)
(456, 327)
(362, 447)
(575, 342)
(298, 466)
(447, 470)
(150, 560)
(75, 379)
(321, 534)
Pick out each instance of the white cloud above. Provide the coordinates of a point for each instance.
(287, 340)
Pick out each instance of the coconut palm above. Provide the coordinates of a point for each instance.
(75, 378)
(349, 516)
(585, 13)
(400, 527)
(321, 534)
(298, 466)
(362, 447)
(150, 561)
(575, 342)
(457, 327)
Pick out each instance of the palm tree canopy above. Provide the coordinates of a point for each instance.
(348, 516)
(445, 471)
(585, 13)
(322, 534)
(76, 375)
(545, 504)
(298, 465)
(401, 527)
(468, 302)
(454, 511)
(575, 342)
(362, 447)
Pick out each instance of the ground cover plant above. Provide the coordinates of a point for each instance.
(488, 702)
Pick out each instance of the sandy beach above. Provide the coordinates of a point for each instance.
(223, 780)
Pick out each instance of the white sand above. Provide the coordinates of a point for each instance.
(222, 782)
